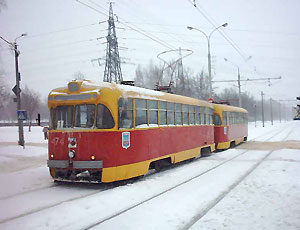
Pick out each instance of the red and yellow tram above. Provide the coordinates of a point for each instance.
(231, 125)
(109, 132)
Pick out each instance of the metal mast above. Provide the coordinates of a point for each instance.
(112, 72)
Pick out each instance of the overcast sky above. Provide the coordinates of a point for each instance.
(62, 40)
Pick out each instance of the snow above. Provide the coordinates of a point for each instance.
(267, 199)
(138, 90)
(240, 188)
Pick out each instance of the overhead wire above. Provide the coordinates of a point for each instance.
(137, 29)
(162, 26)
(224, 35)
(63, 30)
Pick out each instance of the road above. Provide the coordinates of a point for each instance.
(255, 185)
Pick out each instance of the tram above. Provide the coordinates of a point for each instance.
(231, 125)
(109, 132)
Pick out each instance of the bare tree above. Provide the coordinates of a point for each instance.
(78, 75)
(5, 98)
(149, 76)
(139, 77)
(2, 4)
(31, 103)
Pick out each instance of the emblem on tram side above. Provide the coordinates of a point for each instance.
(125, 140)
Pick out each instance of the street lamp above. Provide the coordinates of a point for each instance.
(208, 48)
(18, 90)
(239, 78)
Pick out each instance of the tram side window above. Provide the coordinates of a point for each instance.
(140, 112)
(230, 118)
(52, 124)
(162, 113)
(63, 117)
(170, 113)
(197, 114)
(125, 113)
(178, 114)
(104, 118)
(185, 113)
(211, 116)
(84, 116)
(224, 115)
(202, 110)
(240, 120)
(216, 119)
(207, 116)
(153, 110)
(191, 115)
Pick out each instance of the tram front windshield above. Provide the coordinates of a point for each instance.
(62, 117)
(81, 116)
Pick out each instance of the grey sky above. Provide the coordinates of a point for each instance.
(62, 39)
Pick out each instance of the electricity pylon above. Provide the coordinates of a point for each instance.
(112, 70)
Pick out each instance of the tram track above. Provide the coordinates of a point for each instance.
(109, 186)
(36, 210)
(191, 179)
(234, 185)
(265, 134)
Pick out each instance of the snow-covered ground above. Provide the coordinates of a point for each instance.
(253, 186)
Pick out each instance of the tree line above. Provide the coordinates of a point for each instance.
(187, 83)
(31, 102)
(184, 83)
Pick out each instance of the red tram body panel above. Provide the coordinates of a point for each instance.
(232, 128)
(144, 144)
(111, 132)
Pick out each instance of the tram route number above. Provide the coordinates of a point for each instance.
(57, 141)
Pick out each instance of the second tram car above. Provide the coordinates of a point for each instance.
(231, 125)
(110, 132)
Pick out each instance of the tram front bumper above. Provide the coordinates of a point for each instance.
(63, 164)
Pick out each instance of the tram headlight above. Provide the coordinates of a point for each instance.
(71, 154)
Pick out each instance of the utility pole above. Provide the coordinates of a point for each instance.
(255, 115)
(262, 109)
(271, 111)
(208, 51)
(279, 112)
(16, 89)
(112, 70)
(239, 81)
(239, 85)
(18, 92)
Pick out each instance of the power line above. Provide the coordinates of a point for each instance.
(153, 38)
(64, 30)
(224, 35)
(161, 25)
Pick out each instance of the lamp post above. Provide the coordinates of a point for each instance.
(18, 91)
(208, 50)
(239, 79)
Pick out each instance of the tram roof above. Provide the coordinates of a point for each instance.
(222, 107)
(126, 91)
